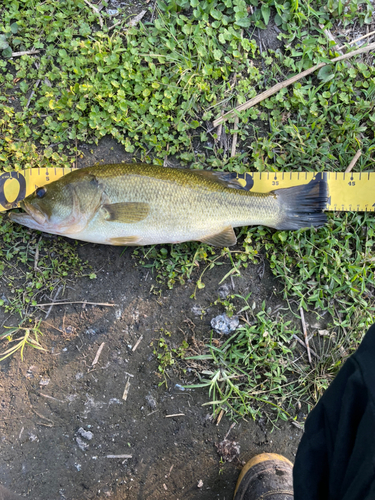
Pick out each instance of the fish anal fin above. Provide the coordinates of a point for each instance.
(124, 241)
(127, 212)
(225, 238)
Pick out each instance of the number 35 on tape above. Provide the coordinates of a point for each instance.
(347, 191)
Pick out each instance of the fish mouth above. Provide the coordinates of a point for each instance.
(33, 217)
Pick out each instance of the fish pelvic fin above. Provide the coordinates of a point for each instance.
(126, 212)
(225, 238)
(123, 241)
(302, 206)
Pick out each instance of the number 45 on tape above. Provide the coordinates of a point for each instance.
(347, 191)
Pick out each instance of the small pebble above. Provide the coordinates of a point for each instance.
(44, 381)
(224, 325)
(85, 434)
(151, 401)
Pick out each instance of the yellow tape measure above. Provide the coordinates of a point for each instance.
(347, 192)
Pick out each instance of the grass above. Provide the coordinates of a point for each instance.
(261, 370)
(32, 266)
(167, 355)
(249, 370)
(19, 337)
(156, 88)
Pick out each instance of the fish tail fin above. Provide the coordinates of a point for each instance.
(302, 206)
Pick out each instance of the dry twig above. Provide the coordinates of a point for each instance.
(230, 428)
(175, 415)
(25, 53)
(354, 161)
(137, 343)
(51, 397)
(273, 90)
(305, 334)
(32, 93)
(357, 39)
(220, 416)
(98, 354)
(304, 346)
(119, 456)
(126, 390)
(36, 258)
(50, 422)
(77, 302)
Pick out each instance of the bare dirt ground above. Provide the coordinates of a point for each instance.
(62, 417)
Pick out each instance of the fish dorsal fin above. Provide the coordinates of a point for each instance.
(126, 212)
(123, 241)
(227, 179)
(225, 238)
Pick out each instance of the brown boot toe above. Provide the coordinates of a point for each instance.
(266, 477)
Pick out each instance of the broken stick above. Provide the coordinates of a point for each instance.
(77, 302)
(305, 334)
(96, 359)
(25, 53)
(353, 162)
(137, 343)
(126, 390)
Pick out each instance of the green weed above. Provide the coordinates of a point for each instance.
(19, 337)
(167, 355)
(32, 266)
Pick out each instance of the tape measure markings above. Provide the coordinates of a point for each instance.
(345, 191)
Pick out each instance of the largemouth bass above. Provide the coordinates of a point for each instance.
(141, 204)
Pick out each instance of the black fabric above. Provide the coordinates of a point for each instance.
(336, 457)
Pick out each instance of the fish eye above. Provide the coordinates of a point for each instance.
(40, 192)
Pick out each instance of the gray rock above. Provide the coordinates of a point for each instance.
(151, 401)
(224, 291)
(85, 434)
(224, 325)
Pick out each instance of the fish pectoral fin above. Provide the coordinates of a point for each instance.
(225, 238)
(127, 212)
(123, 241)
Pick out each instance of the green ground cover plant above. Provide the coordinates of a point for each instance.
(156, 88)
